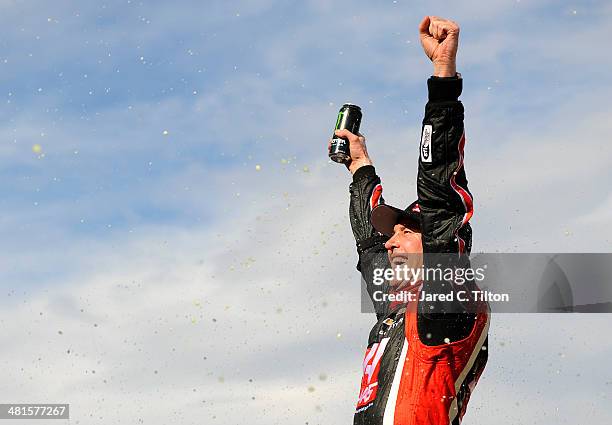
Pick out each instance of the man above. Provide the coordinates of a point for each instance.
(423, 357)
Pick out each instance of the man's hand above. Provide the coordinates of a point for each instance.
(440, 40)
(359, 152)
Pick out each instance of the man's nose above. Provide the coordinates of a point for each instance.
(391, 244)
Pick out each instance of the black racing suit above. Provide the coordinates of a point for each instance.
(446, 207)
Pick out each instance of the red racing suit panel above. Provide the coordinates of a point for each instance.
(437, 381)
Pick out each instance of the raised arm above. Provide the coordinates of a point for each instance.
(445, 202)
(366, 193)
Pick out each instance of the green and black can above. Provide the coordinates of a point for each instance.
(349, 118)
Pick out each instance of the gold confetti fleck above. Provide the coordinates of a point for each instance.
(306, 169)
(258, 167)
(37, 148)
(165, 132)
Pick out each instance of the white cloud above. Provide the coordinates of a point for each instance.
(279, 288)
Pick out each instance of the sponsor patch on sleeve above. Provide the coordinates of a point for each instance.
(426, 143)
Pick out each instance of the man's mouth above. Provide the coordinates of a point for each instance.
(399, 261)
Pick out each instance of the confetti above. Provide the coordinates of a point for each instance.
(165, 132)
(37, 148)
(258, 167)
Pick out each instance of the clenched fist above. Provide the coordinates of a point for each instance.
(440, 40)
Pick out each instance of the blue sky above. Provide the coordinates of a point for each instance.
(131, 134)
(232, 85)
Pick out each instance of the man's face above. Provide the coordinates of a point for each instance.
(405, 240)
(404, 249)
